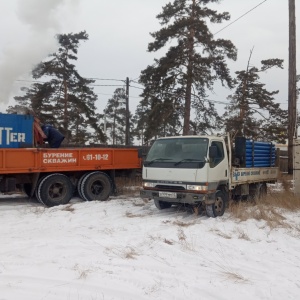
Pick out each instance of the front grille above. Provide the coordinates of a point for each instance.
(170, 187)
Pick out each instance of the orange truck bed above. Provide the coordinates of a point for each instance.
(35, 160)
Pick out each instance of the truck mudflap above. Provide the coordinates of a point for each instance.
(177, 197)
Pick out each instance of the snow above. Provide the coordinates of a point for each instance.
(125, 248)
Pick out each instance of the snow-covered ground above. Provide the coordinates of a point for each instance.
(126, 249)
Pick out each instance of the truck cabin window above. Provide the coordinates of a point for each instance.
(178, 151)
(220, 154)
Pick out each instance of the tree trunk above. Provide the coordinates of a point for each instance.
(188, 92)
(66, 111)
(244, 97)
(292, 95)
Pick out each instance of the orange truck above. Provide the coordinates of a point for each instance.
(54, 175)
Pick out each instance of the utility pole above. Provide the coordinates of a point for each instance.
(127, 141)
(292, 94)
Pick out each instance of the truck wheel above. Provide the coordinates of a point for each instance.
(79, 184)
(36, 193)
(55, 189)
(257, 191)
(217, 209)
(162, 204)
(96, 186)
(262, 192)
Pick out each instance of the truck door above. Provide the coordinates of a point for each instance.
(218, 166)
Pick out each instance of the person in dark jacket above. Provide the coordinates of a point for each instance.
(54, 137)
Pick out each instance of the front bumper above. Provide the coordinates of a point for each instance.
(187, 198)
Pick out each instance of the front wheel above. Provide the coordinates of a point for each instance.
(54, 189)
(218, 208)
(162, 204)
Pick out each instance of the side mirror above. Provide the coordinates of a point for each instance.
(213, 152)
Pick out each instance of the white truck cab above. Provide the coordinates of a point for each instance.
(192, 170)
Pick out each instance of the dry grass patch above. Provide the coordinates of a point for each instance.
(185, 243)
(181, 235)
(159, 238)
(242, 235)
(82, 273)
(286, 200)
(234, 276)
(124, 252)
(221, 234)
(183, 224)
(128, 186)
(129, 214)
(261, 210)
(140, 203)
(130, 253)
(37, 210)
(168, 242)
(69, 208)
(230, 274)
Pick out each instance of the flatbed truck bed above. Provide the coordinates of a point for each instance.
(53, 175)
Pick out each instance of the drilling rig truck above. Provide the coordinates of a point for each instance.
(54, 175)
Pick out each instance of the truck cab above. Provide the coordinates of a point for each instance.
(188, 170)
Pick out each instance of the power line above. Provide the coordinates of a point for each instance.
(240, 17)
(136, 87)
(135, 79)
(135, 82)
(23, 80)
(106, 79)
(104, 85)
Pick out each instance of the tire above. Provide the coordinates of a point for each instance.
(36, 192)
(218, 208)
(79, 184)
(96, 186)
(257, 191)
(55, 189)
(162, 204)
(262, 191)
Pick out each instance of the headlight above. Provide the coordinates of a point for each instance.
(149, 184)
(197, 187)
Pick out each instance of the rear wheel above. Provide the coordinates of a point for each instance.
(79, 184)
(257, 191)
(262, 190)
(96, 186)
(218, 208)
(162, 204)
(55, 189)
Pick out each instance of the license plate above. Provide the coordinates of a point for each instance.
(167, 195)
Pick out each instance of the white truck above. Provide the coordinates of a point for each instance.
(206, 171)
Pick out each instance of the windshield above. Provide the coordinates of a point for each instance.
(178, 151)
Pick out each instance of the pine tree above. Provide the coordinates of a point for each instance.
(190, 67)
(252, 111)
(160, 119)
(115, 117)
(64, 98)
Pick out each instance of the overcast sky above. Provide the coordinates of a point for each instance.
(118, 38)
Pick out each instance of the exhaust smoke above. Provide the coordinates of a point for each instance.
(37, 23)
